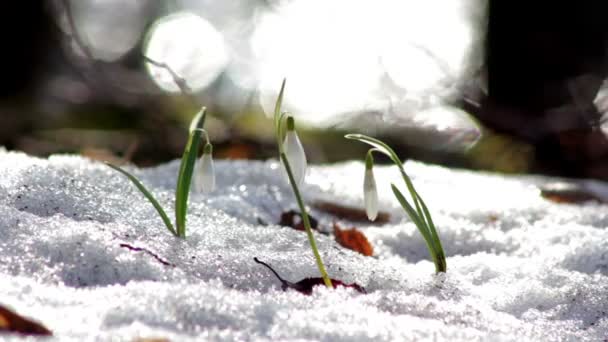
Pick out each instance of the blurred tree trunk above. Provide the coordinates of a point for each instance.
(545, 62)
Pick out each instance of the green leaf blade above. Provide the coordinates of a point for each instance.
(277, 106)
(148, 195)
(278, 116)
(186, 170)
(437, 256)
(411, 213)
(199, 119)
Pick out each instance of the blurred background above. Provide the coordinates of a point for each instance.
(479, 84)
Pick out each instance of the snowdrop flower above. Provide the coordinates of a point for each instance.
(204, 180)
(295, 152)
(370, 193)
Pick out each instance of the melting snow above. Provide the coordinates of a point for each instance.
(519, 267)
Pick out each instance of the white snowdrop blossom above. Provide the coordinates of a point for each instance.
(295, 153)
(204, 180)
(370, 193)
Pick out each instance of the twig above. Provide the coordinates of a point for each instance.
(95, 63)
(271, 270)
(74, 32)
(152, 254)
(177, 79)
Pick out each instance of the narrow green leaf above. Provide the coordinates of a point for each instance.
(379, 145)
(411, 213)
(435, 237)
(436, 255)
(278, 116)
(148, 195)
(186, 169)
(199, 119)
(413, 193)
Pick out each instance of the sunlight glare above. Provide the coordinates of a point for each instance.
(191, 46)
(337, 55)
(110, 28)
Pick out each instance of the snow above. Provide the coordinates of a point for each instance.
(519, 267)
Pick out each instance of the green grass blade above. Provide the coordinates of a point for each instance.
(413, 193)
(199, 119)
(186, 169)
(411, 213)
(278, 104)
(278, 116)
(437, 256)
(423, 212)
(435, 237)
(148, 195)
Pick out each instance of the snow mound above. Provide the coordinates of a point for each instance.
(85, 254)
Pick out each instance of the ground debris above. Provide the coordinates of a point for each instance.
(11, 322)
(569, 193)
(306, 285)
(294, 220)
(150, 253)
(353, 239)
(349, 213)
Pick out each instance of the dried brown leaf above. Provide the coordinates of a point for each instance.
(353, 239)
(568, 193)
(12, 322)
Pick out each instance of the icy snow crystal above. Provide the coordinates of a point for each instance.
(519, 267)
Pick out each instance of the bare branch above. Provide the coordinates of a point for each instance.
(179, 81)
(74, 32)
(146, 251)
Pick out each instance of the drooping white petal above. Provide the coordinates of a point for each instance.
(370, 194)
(204, 178)
(296, 156)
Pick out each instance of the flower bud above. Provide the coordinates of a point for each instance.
(295, 152)
(204, 179)
(370, 193)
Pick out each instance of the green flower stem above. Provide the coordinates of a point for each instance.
(306, 221)
(279, 131)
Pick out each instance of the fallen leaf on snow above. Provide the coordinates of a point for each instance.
(568, 193)
(12, 322)
(353, 239)
(306, 285)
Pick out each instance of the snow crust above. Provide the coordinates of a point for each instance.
(519, 267)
